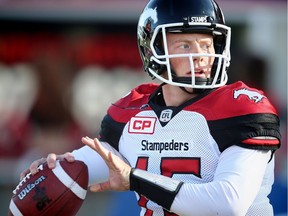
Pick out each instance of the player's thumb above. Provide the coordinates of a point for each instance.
(100, 187)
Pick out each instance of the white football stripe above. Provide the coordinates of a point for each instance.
(68, 181)
(14, 209)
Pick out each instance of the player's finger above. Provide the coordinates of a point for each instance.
(105, 186)
(69, 157)
(34, 166)
(89, 142)
(95, 188)
(104, 153)
(96, 146)
(24, 173)
(51, 160)
(109, 157)
(100, 149)
(113, 162)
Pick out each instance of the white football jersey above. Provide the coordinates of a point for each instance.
(186, 142)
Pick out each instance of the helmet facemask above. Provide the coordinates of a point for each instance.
(160, 61)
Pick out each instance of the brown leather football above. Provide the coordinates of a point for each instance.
(58, 191)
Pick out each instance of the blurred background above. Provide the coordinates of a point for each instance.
(62, 63)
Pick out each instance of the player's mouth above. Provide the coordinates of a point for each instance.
(198, 73)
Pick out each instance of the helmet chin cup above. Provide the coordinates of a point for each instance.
(188, 80)
(157, 19)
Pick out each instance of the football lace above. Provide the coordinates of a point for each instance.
(40, 167)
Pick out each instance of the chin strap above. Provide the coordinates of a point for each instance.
(194, 91)
(185, 90)
(187, 80)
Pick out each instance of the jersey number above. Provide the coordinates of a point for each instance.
(168, 167)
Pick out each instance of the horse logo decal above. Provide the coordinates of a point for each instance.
(252, 95)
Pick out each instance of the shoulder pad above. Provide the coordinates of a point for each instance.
(236, 100)
(132, 103)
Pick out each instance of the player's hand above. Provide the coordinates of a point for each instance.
(119, 171)
(51, 161)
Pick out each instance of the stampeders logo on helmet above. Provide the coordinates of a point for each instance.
(199, 19)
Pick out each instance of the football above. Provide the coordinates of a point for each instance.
(58, 191)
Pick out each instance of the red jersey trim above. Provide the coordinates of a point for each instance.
(252, 141)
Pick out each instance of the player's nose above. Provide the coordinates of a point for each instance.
(196, 49)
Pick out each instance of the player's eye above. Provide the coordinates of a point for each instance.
(206, 47)
(184, 46)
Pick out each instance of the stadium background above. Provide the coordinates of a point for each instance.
(62, 63)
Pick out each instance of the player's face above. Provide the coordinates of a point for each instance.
(191, 43)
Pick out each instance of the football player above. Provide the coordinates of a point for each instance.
(191, 145)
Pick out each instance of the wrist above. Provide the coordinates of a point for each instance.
(157, 188)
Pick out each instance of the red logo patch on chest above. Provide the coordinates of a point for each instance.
(142, 125)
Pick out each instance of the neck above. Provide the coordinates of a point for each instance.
(175, 96)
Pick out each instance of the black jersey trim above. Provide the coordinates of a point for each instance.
(111, 131)
(233, 131)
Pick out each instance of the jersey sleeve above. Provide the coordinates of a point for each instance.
(97, 168)
(243, 130)
(111, 131)
(233, 189)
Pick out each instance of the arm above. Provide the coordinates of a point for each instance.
(237, 181)
(235, 186)
(97, 168)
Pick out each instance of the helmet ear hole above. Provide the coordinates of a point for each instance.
(158, 44)
(219, 43)
(158, 68)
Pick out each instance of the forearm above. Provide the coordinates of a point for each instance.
(214, 198)
(97, 169)
(230, 193)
